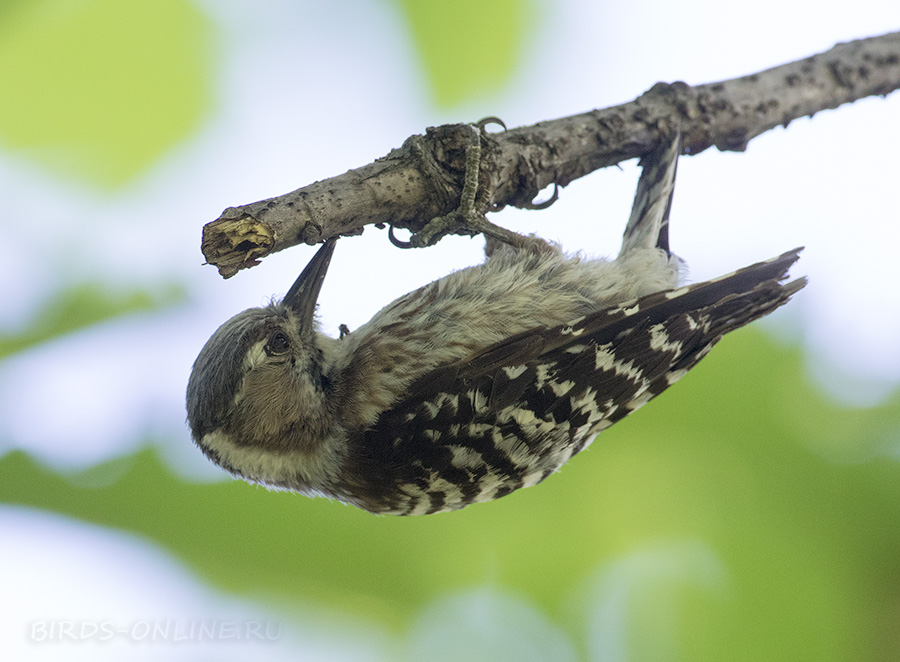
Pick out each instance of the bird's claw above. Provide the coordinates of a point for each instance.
(469, 218)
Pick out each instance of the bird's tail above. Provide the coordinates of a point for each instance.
(648, 226)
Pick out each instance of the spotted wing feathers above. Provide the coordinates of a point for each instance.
(511, 414)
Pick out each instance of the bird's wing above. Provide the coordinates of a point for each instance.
(550, 389)
(661, 331)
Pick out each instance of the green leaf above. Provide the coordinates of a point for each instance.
(100, 89)
(468, 47)
(82, 305)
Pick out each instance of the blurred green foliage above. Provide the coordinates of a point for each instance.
(468, 48)
(741, 539)
(83, 305)
(100, 89)
(742, 516)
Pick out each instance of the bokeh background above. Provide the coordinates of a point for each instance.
(750, 513)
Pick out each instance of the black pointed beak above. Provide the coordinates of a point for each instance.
(304, 292)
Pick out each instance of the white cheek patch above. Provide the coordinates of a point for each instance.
(294, 470)
(255, 356)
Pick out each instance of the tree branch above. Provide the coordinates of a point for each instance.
(423, 179)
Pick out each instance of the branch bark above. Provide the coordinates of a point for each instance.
(423, 179)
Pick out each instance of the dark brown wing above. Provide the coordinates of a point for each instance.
(518, 406)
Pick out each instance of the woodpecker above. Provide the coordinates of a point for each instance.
(478, 384)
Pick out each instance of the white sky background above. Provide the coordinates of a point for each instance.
(310, 90)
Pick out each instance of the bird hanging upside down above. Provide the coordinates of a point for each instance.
(478, 384)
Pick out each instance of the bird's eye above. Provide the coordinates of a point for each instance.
(278, 344)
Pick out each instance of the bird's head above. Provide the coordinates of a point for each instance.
(258, 393)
